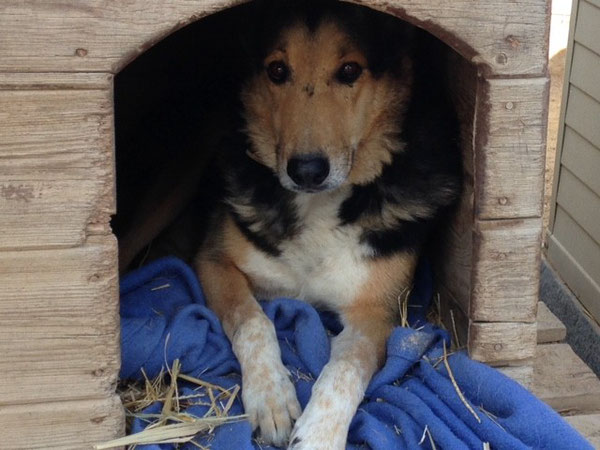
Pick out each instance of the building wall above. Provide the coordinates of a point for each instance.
(574, 241)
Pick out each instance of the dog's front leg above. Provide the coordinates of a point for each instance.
(268, 394)
(356, 354)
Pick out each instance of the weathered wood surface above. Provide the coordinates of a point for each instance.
(505, 279)
(588, 425)
(67, 425)
(56, 81)
(59, 323)
(462, 85)
(521, 374)
(563, 381)
(549, 328)
(502, 343)
(510, 147)
(56, 153)
(504, 37)
(495, 34)
(455, 268)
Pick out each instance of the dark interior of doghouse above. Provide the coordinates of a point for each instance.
(169, 103)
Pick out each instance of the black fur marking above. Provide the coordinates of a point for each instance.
(427, 173)
(260, 206)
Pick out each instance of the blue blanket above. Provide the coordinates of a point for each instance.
(411, 392)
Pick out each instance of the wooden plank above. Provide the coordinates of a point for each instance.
(586, 32)
(462, 83)
(89, 35)
(521, 374)
(510, 148)
(56, 166)
(563, 381)
(502, 343)
(505, 280)
(48, 81)
(579, 281)
(59, 323)
(588, 425)
(580, 203)
(456, 256)
(549, 328)
(94, 35)
(582, 159)
(585, 71)
(65, 425)
(582, 115)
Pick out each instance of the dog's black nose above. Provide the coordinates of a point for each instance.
(308, 171)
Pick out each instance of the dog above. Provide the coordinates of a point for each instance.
(344, 159)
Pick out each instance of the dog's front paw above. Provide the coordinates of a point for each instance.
(270, 401)
(318, 433)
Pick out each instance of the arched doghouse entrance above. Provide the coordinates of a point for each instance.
(58, 283)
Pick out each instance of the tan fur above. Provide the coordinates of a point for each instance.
(355, 126)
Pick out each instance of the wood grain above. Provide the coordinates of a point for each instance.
(563, 381)
(69, 425)
(506, 260)
(59, 323)
(510, 148)
(456, 264)
(57, 80)
(502, 343)
(504, 37)
(56, 165)
(521, 374)
(496, 35)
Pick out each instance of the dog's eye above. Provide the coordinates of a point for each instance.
(278, 72)
(349, 72)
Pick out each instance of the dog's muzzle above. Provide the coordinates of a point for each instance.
(309, 172)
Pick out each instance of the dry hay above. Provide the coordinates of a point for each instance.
(173, 424)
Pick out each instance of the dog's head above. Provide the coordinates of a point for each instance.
(324, 105)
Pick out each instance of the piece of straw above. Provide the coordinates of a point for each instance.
(455, 384)
(170, 434)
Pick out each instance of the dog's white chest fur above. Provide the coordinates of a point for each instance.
(324, 263)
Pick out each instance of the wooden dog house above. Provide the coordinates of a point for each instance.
(59, 323)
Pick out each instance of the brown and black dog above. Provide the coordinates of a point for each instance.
(345, 158)
(340, 160)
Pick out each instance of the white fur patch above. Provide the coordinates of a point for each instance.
(335, 396)
(324, 264)
(268, 394)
